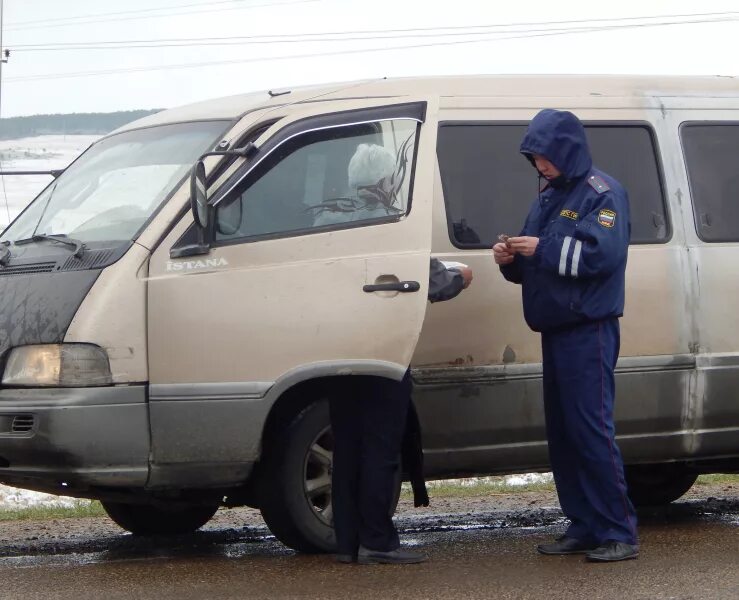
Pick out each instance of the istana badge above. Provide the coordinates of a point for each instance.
(607, 218)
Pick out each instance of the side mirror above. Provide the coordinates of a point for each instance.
(198, 182)
(199, 194)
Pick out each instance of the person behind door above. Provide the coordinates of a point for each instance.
(571, 260)
(368, 419)
(372, 189)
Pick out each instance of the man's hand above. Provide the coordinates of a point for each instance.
(523, 245)
(502, 254)
(466, 275)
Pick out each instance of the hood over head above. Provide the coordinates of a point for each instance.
(559, 136)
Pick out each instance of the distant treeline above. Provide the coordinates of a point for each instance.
(76, 123)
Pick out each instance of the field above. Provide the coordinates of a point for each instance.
(42, 153)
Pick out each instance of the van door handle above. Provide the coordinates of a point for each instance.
(398, 286)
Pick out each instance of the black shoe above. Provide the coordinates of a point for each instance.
(612, 551)
(566, 545)
(393, 557)
(346, 558)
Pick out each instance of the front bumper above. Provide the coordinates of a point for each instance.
(67, 440)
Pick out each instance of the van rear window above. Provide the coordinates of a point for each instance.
(711, 153)
(488, 186)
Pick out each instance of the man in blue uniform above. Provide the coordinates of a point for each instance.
(570, 259)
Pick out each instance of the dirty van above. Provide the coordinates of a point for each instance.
(177, 306)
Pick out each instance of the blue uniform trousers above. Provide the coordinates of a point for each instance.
(579, 389)
(368, 424)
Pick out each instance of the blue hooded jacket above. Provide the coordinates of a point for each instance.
(582, 221)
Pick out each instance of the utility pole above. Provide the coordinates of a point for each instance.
(3, 55)
(3, 59)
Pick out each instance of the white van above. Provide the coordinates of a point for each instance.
(170, 355)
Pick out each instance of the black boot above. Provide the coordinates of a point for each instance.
(566, 545)
(612, 551)
(346, 558)
(399, 556)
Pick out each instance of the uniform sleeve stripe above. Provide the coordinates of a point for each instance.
(576, 258)
(563, 256)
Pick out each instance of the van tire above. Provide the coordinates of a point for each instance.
(656, 485)
(146, 519)
(295, 519)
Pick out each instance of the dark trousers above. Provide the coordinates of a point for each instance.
(368, 422)
(579, 389)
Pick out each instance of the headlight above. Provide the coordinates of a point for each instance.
(57, 365)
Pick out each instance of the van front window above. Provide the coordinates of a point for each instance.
(117, 184)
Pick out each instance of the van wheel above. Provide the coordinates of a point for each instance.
(655, 485)
(295, 494)
(295, 482)
(145, 519)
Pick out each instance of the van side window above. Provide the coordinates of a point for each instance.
(711, 153)
(331, 178)
(628, 153)
(488, 186)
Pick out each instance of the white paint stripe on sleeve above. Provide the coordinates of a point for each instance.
(563, 256)
(576, 258)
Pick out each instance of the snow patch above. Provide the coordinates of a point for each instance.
(529, 478)
(13, 498)
(41, 153)
(519, 479)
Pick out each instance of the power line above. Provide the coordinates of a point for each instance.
(258, 42)
(243, 42)
(153, 16)
(358, 35)
(553, 32)
(261, 40)
(123, 12)
(400, 30)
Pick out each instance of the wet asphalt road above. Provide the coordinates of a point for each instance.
(690, 550)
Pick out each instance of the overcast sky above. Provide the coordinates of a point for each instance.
(42, 81)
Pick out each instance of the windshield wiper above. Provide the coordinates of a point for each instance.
(79, 247)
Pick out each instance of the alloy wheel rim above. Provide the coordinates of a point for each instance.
(317, 476)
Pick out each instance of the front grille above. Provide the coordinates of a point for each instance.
(45, 267)
(22, 424)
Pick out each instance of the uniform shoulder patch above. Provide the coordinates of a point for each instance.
(598, 184)
(607, 218)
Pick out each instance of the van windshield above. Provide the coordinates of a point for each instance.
(117, 184)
